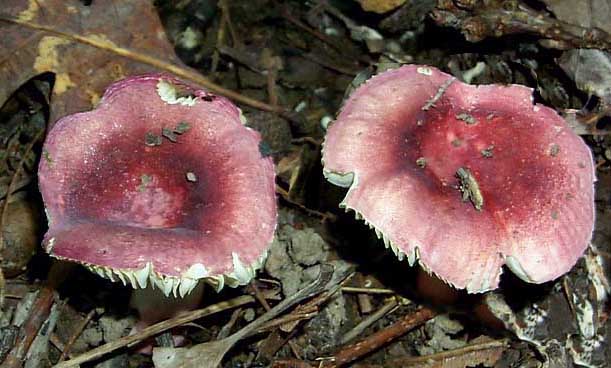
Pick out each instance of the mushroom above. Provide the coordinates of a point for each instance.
(464, 178)
(161, 183)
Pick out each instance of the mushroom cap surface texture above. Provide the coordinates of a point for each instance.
(464, 178)
(160, 183)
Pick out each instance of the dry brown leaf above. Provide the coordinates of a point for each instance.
(584, 13)
(482, 351)
(380, 6)
(87, 47)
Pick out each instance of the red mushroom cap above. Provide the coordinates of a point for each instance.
(161, 181)
(465, 178)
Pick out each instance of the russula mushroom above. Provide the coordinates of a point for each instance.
(464, 178)
(161, 183)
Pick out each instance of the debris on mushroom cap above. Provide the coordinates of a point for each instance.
(505, 181)
(161, 182)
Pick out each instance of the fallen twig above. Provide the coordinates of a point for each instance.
(493, 19)
(220, 37)
(227, 327)
(210, 354)
(365, 290)
(371, 343)
(286, 14)
(156, 329)
(267, 307)
(289, 318)
(38, 315)
(486, 353)
(324, 216)
(368, 321)
(75, 334)
(380, 338)
(55, 340)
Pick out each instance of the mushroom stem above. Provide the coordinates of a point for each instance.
(153, 306)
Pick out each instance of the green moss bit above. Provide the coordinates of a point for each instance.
(191, 177)
(151, 139)
(182, 127)
(421, 162)
(145, 180)
(487, 152)
(554, 214)
(456, 142)
(470, 188)
(47, 156)
(169, 134)
(467, 118)
(554, 150)
(265, 149)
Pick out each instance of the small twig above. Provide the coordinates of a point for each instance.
(224, 5)
(77, 332)
(310, 307)
(156, 329)
(291, 363)
(38, 315)
(602, 253)
(305, 311)
(58, 344)
(324, 216)
(244, 58)
(271, 86)
(226, 329)
(220, 40)
(224, 23)
(313, 141)
(267, 307)
(494, 19)
(289, 318)
(369, 344)
(259, 296)
(430, 103)
(327, 64)
(271, 64)
(13, 296)
(211, 353)
(286, 14)
(375, 341)
(493, 347)
(364, 302)
(365, 290)
(366, 322)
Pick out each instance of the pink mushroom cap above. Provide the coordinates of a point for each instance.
(161, 182)
(464, 178)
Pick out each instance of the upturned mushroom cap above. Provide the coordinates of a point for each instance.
(465, 178)
(160, 182)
